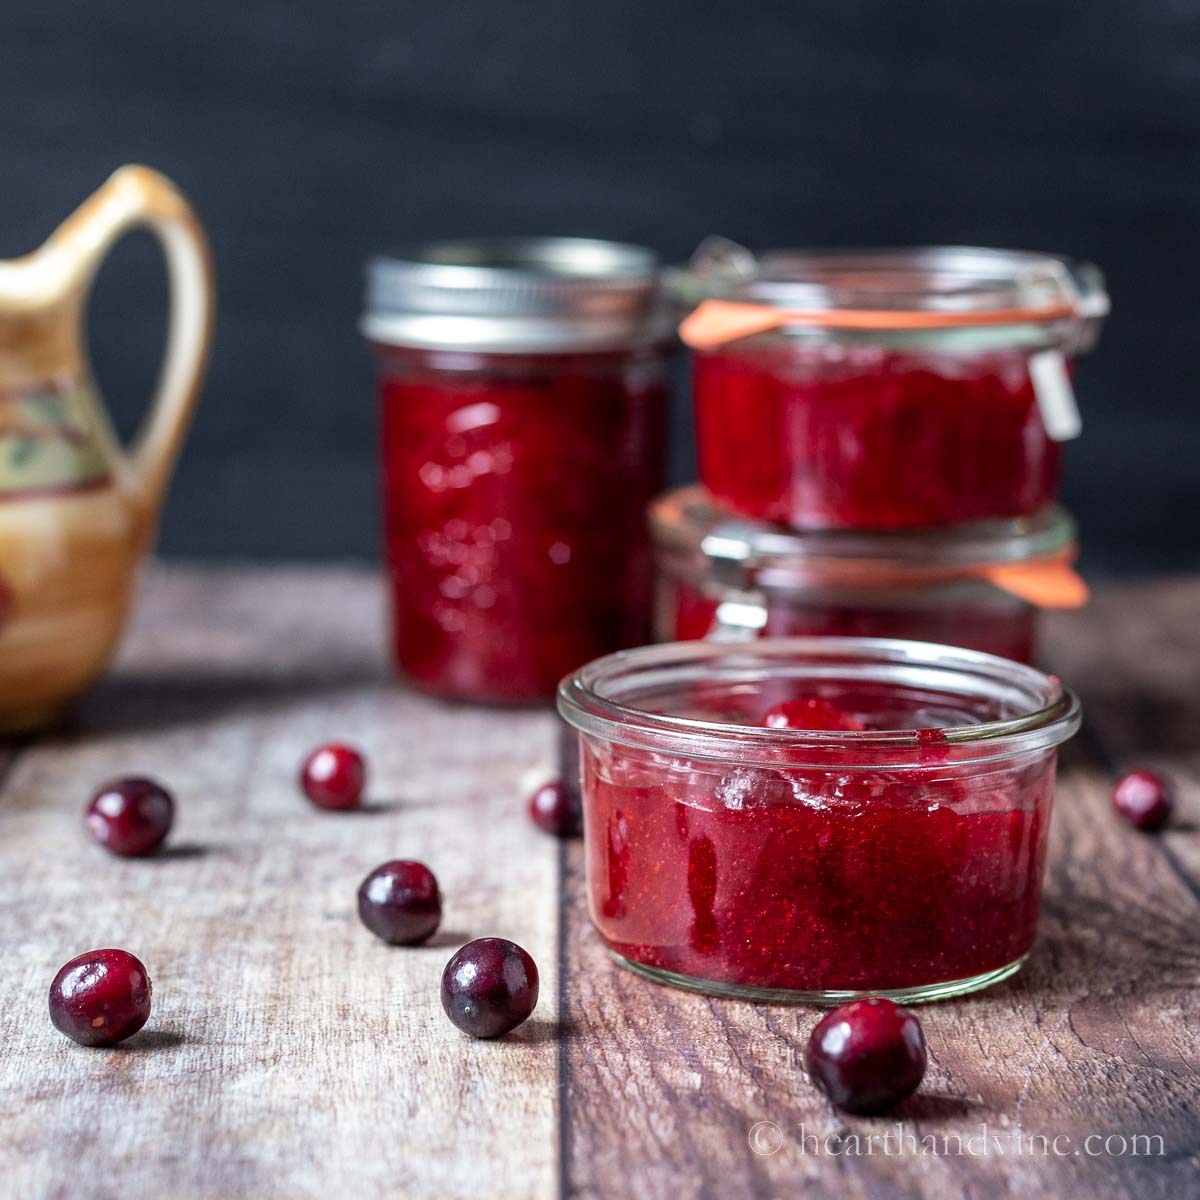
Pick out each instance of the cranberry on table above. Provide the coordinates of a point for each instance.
(130, 817)
(1144, 799)
(100, 998)
(867, 1056)
(813, 713)
(489, 987)
(554, 810)
(400, 902)
(333, 777)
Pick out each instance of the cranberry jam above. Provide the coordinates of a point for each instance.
(903, 858)
(734, 578)
(902, 395)
(968, 617)
(523, 405)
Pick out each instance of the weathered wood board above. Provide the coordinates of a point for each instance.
(290, 1054)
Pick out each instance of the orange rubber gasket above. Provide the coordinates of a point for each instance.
(716, 322)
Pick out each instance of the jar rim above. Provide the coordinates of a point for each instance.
(589, 700)
(686, 522)
(956, 298)
(900, 278)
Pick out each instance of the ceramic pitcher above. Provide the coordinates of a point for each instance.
(77, 510)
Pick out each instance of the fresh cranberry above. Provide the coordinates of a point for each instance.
(400, 902)
(867, 1055)
(100, 998)
(130, 817)
(333, 777)
(489, 987)
(811, 713)
(1143, 799)
(554, 810)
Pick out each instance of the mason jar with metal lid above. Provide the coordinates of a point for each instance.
(981, 586)
(523, 408)
(885, 389)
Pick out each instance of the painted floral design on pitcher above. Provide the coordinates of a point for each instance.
(48, 442)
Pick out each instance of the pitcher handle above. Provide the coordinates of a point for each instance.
(139, 197)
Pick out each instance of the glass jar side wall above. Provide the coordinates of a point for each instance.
(819, 435)
(813, 885)
(515, 489)
(969, 613)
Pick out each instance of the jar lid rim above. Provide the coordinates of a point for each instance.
(499, 262)
(513, 294)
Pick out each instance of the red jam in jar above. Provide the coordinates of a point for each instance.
(995, 625)
(523, 406)
(734, 579)
(904, 858)
(896, 389)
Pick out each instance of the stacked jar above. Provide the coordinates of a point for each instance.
(523, 406)
(852, 798)
(879, 437)
(835, 782)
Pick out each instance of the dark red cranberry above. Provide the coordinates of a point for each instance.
(100, 998)
(554, 810)
(400, 902)
(333, 777)
(1143, 799)
(811, 713)
(867, 1055)
(130, 817)
(489, 987)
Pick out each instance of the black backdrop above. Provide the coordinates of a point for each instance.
(310, 134)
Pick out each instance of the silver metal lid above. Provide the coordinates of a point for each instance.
(696, 536)
(516, 295)
(926, 279)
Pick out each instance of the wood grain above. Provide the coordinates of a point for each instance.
(292, 1055)
(1099, 1035)
(289, 1054)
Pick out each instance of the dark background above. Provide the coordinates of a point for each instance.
(310, 134)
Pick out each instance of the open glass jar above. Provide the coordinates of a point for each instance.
(901, 858)
(980, 585)
(887, 389)
(523, 406)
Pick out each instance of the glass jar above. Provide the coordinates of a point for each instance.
(981, 586)
(899, 855)
(887, 389)
(523, 407)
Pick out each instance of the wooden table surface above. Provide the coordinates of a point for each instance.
(290, 1054)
